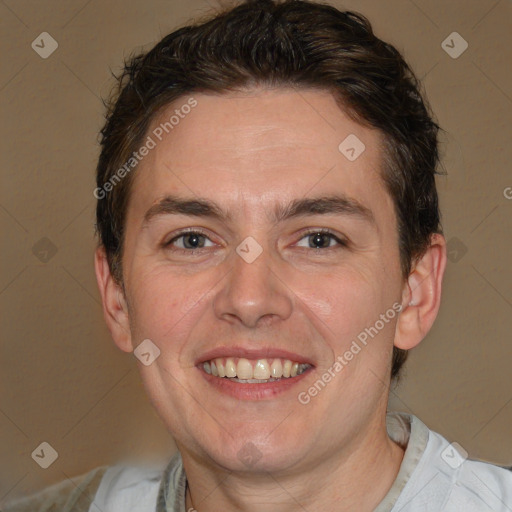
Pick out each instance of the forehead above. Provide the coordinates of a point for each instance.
(259, 145)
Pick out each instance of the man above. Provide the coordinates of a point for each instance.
(270, 249)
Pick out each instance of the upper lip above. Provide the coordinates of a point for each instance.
(252, 353)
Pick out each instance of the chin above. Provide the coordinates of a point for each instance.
(255, 454)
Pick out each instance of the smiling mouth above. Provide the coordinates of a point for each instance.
(254, 371)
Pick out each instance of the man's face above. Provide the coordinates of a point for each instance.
(305, 296)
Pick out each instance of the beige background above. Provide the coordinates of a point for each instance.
(62, 379)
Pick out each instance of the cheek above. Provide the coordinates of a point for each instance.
(166, 306)
(344, 303)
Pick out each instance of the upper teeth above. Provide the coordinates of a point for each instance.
(261, 369)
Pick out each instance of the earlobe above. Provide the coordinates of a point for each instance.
(115, 310)
(421, 295)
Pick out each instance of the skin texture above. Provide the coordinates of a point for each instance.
(248, 152)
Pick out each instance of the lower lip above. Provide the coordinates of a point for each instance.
(246, 391)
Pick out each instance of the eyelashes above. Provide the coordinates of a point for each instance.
(326, 233)
(198, 238)
(197, 234)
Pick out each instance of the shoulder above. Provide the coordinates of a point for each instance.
(141, 488)
(474, 484)
(445, 479)
(128, 489)
(119, 488)
(74, 494)
(489, 487)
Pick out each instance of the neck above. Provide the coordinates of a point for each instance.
(344, 481)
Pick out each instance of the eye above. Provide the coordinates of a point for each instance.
(194, 239)
(188, 240)
(321, 239)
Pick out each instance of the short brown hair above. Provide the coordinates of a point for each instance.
(290, 43)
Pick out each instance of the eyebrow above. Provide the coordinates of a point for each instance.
(324, 205)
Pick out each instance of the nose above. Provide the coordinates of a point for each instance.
(253, 293)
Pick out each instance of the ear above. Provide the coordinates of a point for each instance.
(115, 308)
(421, 296)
